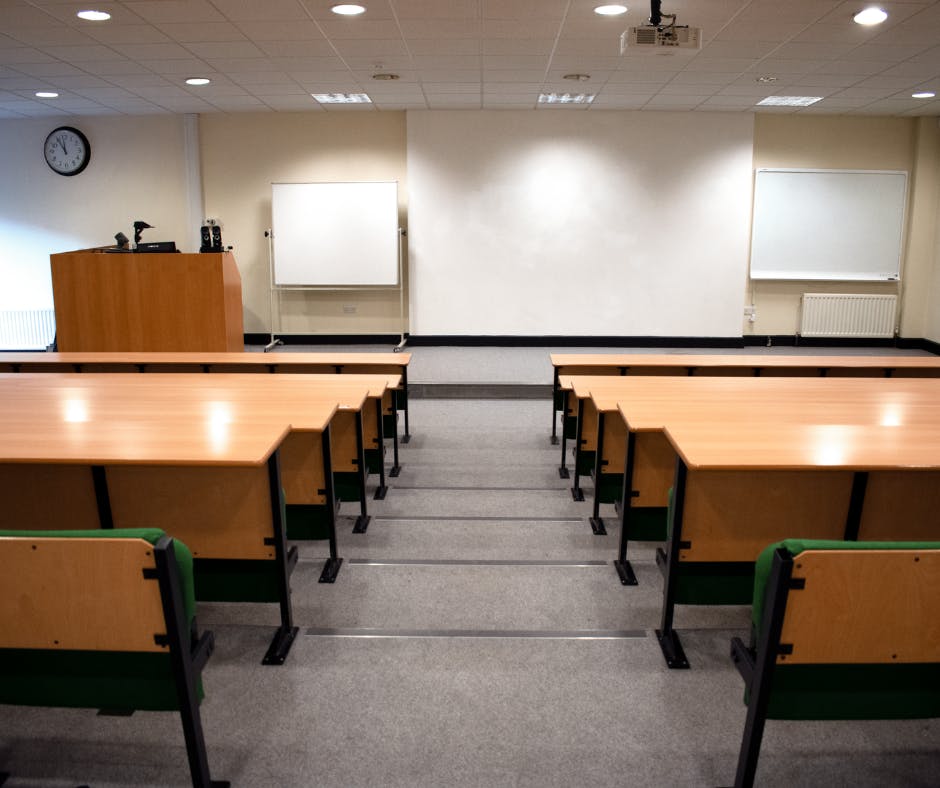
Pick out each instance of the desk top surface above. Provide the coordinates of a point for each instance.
(741, 361)
(651, 404)
(73, 419)
(806, 446)
(249, 359)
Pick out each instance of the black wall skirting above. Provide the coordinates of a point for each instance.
(774, 340)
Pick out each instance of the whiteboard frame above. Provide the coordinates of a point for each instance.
(276, 289)
(301, 285)
(811, 276)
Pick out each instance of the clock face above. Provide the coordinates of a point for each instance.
(67, 151)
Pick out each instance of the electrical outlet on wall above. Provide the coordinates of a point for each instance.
(349, 309)
(750, 312)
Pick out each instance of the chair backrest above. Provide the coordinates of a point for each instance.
(864, 606)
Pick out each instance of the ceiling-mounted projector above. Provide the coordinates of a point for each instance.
(655, 35)
(650, 37)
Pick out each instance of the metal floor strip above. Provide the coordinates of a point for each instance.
(533, 634)
(478, 518)
(459, 488)
(470, 562)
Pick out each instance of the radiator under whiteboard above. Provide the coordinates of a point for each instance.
(855, 316)
(32, 329)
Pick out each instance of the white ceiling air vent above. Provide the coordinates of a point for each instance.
(648, 37)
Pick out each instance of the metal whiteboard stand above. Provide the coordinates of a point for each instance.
(275, 301)
(274, 340)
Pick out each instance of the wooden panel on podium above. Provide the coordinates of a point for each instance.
(147, 302)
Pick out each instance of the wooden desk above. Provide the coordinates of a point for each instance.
(287, 397)
(602, 440)
(734, 365)
(205, 471)
(296, 363)
(740, 486)
(147, 302)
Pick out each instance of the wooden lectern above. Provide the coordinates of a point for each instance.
(147, 302)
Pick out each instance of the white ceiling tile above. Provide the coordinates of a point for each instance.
(842, 34)
(282, 31)
(450, 46)
(888, 83)
(811, 51)
(297, 49)
(363, 47)
(703, 78)
(859, 68)
(360, 28)
(615, 101)
(518, 47)
(688, 90)
(728, 102)
(523, 9)
(48, 69)
(747, 50)
(187, 33)
(50, 36)
(662, 101)
(443, 29)
(513, 75)
(17, 16)
(459, 88)
(756, 30)
(442, 62)
(291, 103)
(80, 82)
(190, 67)
(223, 50)
(270, 78)
(917, 71)
(456, 76)
(105, 93)
(438, 9)
(523, 62)
(876, 51)
(604, 47)
(736, 65)
(110, 68)
(192, 12)
(128, 34)
(169, 51)
(255, 64)
(251, 10)
(788, 12)
(826, 80)
(134, 82)
(776, 67)
(519, 30)
(641, 77)
(237, 102)
(91, 52)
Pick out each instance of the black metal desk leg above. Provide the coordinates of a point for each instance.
(853, 519)
(284, 637)
(668, 637)
(562, 469)
(381, 490)
(406, 438)
(333, 563)
(99, 478)
(576, 491)
(622, 565)
(362, 521)
(597, 524)
(555, 408)
(396, 468)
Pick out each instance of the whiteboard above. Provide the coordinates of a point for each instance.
(828, 224)
(335, 233)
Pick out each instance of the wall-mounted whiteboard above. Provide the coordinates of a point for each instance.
(335, 233)
(828, 224)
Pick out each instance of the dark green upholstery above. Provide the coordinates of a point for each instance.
(97, 679)
(846, 691)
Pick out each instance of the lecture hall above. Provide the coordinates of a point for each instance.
(469, 393)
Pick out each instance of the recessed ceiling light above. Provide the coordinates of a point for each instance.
(767, 79)
(348, 9)
(566, 98)
(789, 101)
(94, 16)
(198, 81)
(577, 77)
(342, 98)
(46, 94)
(871, 16)
(610, 10)
(924, 94)
(385, 77)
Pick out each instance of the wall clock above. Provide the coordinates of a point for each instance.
(67, 150)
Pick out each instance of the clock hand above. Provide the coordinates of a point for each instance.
(62, 143)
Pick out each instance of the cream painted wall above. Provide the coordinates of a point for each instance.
(829, 142)
(136, 172)
(243, 154)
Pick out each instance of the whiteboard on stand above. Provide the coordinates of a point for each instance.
(335, 234)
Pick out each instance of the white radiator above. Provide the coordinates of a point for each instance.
(26, 330)
(837, 315)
